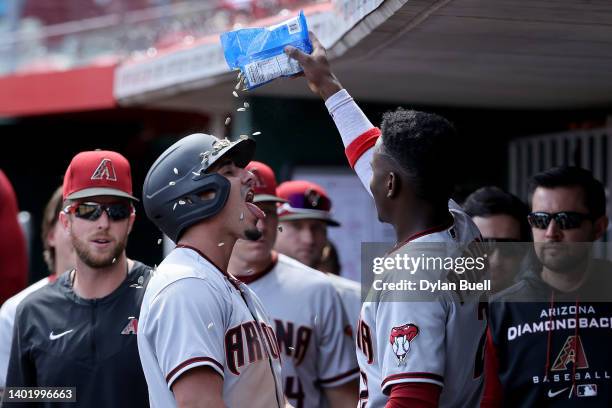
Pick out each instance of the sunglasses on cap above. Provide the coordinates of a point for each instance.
(564, 219)
(92, 211)
(310, 200)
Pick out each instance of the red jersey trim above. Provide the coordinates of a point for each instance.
(229, 277)
(360, 145)
(191, 361)
(428, 231)
(252, 278)
(412, 377)
(432, 230)
(339, 376)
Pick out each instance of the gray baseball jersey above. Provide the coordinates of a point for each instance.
(317, 351)
(195, 315)
(350, 293)
(7, 321)
(439, 341)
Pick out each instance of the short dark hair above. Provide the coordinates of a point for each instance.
(570, 176)
(492, 200)
(423, 144)
(50, 217)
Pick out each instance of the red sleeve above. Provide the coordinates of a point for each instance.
(414, 395)
(360, 145)
(493, 391)
(13, 253)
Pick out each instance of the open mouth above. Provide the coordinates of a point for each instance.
(249, 196)
(101, 241)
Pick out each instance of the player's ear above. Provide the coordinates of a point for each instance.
(132, 219)
(393, 183)
(64, 220)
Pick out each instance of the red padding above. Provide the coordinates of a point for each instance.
(80, 89)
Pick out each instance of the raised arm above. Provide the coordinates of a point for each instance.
(357, 132)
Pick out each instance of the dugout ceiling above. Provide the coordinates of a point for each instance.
(503, 54)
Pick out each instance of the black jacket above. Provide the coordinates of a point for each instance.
(553, 348)
(62, 340)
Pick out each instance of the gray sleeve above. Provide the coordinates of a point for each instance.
(337, 361)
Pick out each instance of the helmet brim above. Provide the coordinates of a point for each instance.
(242, 152)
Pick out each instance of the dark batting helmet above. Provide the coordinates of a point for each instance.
(172, 189)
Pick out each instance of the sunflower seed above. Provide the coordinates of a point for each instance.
(220, 244)
(256, 133)
(291, 348)
(243, 137)
(227, 120)
(195, 174)
(172, 183)
(241, 216)
(235, 94)
(174, 206)
(114, 260)
(246, 105)
(240, 109)
(210, 325)
(181, 202)
(237, 87)
(159, 241)
(175, 170)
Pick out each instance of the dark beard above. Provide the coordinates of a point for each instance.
(86, 256)
(252, 234)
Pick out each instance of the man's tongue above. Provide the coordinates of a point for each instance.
(256, 211)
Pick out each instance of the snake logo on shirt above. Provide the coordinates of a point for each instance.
(400, 339)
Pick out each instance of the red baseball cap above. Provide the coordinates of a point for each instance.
(305, 200)
(265, 183)
(97, 173)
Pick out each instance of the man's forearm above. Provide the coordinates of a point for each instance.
(353, 126)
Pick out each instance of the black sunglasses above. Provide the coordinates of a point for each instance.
(93, 211)
(564, 219)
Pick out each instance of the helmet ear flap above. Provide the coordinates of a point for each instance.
(199, 208)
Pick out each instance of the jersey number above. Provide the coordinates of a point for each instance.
(290, 393)
(483, 307)
(363, 394)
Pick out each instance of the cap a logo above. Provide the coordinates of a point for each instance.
(105, 171)
(313, 198)
(131, 327)
(400, 339)
(572, 352)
